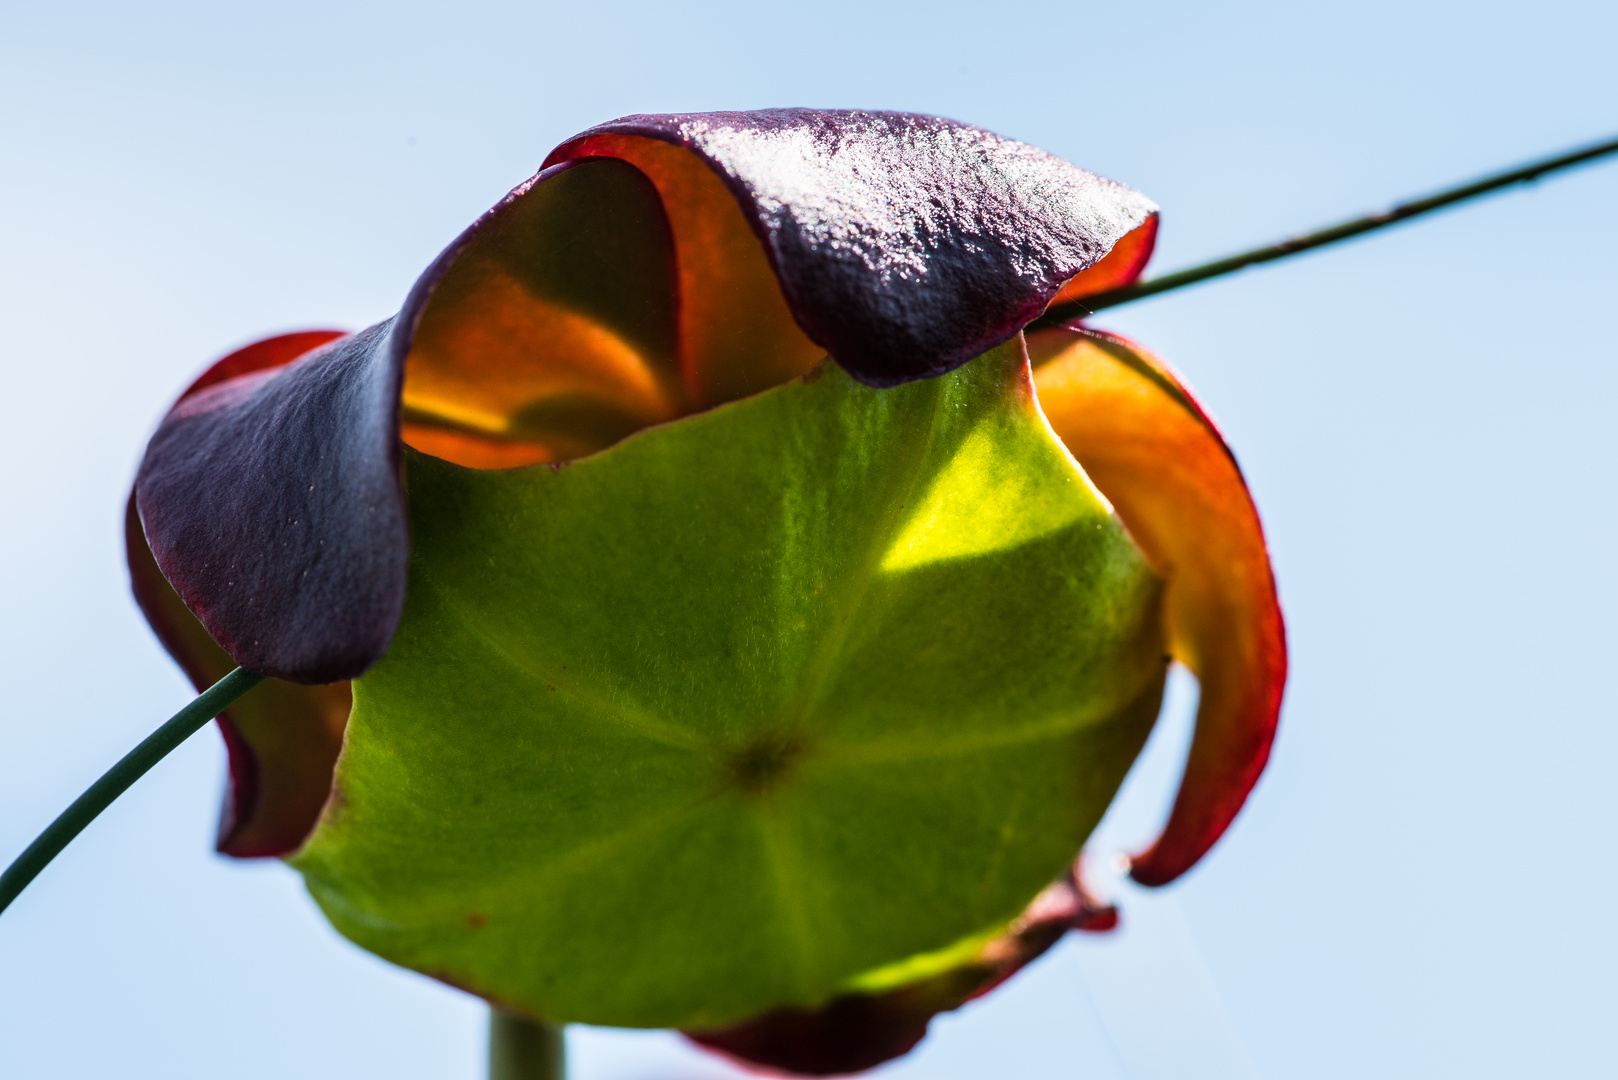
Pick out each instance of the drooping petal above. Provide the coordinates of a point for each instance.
(905, 245)
(272, 503)
(282, 738)
(1158, 458)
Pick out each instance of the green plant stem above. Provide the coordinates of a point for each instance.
(523, 1049)
(1523, 174)
(116, 780)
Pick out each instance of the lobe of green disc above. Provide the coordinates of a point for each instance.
(744, 707)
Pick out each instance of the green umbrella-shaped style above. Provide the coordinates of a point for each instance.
(703, 606)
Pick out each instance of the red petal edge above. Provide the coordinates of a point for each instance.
(1154, 452)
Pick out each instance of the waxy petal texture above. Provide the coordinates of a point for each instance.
(282, 738)
(905, 245)
(1156, 455)
(272, 502)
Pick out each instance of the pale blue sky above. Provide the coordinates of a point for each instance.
(1420, 885)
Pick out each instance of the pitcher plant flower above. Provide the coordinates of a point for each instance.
(703, 605)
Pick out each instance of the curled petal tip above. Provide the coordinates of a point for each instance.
(1153, 451)
(1121, 266)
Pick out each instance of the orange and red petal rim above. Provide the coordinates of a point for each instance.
(1121, 266)
(1153, 451)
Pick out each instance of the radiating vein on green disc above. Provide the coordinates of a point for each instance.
(884, 527)
(780, 856)
(909, 750)
(521, 881)
(116, 780)
(626, 715)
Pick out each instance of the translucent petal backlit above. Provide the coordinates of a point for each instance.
(1156, 455)
(1121, 266)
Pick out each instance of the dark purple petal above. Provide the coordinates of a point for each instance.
(905, 245)
(272, 502)
(281, 739)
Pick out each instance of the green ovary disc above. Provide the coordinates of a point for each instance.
(743, 707)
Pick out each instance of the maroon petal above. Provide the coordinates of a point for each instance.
(272, 503)
(860, 1031)
(905, 245)
(282, 739)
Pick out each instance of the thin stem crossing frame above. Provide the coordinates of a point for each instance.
(1060, 314)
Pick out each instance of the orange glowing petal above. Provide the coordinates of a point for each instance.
(1119, 267)
(1156, 455)
(552, 326)
(737, 336)
(506, 348)
(475, 451)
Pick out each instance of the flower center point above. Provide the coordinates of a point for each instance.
(763, 762)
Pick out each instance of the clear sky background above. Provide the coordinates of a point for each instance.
(1421, 884)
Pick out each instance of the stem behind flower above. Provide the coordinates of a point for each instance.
(523, 1049)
